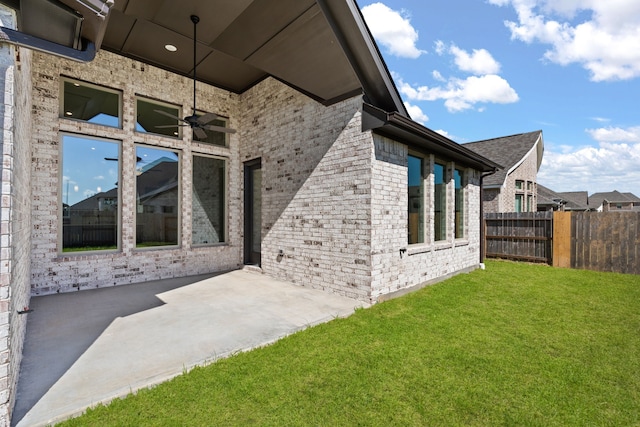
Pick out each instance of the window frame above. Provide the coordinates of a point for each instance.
(176, 135)
(422, 216)
(520, 198)
(61, 215)
(76, 82)
(225, 123)
(179, 198)
(225, 210)
(464, 180)
(444, 229)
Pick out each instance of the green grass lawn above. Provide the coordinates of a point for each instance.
(514, 345)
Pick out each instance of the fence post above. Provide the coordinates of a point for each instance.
(562, 239)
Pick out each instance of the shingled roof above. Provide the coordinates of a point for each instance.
(509, 152)
(597, 199)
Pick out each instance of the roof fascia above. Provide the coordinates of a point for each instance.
(351, 31)
(405, 130)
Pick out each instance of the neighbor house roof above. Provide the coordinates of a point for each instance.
(509, 152)
(576, 200)
(548, 197)
(598, 199)
(572, 200)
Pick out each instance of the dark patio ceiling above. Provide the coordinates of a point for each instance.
(320, 47)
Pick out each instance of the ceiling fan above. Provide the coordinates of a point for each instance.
(198, 123)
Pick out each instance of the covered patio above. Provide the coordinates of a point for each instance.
(90, 347)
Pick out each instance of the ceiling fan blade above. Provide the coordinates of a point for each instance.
(164, 113)
(219, 129)
(206, 118)
(169, 126)
(199, 133)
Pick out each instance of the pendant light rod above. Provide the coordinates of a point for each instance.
(195, 19)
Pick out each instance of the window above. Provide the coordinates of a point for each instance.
(519, 202)
(440, 202)
(90, 103)
(519, 185)
(416, 199)
(157, 196)
(458, 178)
(90, 196)
(208, 210)
(155, 117)
(529, 203)
(213, 137)
(529, 186)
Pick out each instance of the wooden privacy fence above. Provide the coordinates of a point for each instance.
(525, 236)
(602, 241)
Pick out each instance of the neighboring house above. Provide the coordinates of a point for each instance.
(327, 182)
(513, 187)
(614, 201)
(549, 200)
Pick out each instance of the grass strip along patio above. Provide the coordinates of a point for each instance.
(515, 344)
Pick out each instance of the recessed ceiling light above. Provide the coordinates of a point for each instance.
(69, 113)
(170, 47)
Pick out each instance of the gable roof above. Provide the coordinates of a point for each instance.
(548, 197)
(598, 199)
(571, 200)
(509, 152)
(576, 200)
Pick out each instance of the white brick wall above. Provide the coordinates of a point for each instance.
(393, 271)
(53, 272)
(316, 174)
(15, 210)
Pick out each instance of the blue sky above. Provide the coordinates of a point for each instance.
(480, 69)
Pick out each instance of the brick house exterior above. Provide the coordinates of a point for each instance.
(513, 187)
(614, 201)
(334, 188)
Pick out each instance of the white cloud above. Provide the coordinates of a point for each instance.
(444, 133)
(605, 44)
(611, 165)
(615, 134)
(464, 94)
(440, 47)
(416, 113)
(392, 29)
(479, 62)
(437, 76)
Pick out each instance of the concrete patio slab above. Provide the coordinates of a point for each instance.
(90, 347)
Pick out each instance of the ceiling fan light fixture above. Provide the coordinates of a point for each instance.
(198, 123)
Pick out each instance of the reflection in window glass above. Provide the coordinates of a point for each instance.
(458, 177)
(440, 203)
(89, 194)
(416, 200)
(82, 101)
(213, 137)
(157, 195)
(519, 202)
(149, 120)
(208, 209)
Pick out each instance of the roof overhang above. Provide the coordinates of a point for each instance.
(73, 29)
(322, 48)
(402, 129)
